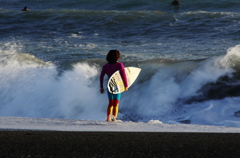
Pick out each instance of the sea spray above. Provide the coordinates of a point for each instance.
(165, 92)
(80, 95)
(33, 91)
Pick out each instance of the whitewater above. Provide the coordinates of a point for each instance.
(32, 89)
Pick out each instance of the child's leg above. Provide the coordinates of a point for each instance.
(110, 109)
(115, 108)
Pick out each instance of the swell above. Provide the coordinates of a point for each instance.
(129, 25)
(125, 5)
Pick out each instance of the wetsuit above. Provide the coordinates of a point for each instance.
(114, 99)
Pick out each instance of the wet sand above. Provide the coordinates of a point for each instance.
(117, 144)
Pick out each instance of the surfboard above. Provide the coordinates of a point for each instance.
(115, 83)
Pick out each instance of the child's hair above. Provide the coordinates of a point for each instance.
(113, 56)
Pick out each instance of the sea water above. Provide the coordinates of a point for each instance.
(51, 57)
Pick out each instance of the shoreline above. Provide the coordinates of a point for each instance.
(50, 124)
(118, 144)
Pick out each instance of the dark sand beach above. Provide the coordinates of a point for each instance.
(117, 144)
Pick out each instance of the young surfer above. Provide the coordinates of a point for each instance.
(112, 66)
(25, 9)
(176, 3)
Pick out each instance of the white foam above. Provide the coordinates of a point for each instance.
(217, 112)
(33, 89)
(79, 96)
(157, 98)
(20, 123)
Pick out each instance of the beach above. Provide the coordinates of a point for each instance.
(118, 144)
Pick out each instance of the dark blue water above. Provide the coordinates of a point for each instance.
(51, 57)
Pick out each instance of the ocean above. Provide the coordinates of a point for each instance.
(51, 58)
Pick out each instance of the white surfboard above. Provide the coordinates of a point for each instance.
(115, 83)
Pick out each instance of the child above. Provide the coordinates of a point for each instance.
(25, 9)
(175, 2)
(112, 66)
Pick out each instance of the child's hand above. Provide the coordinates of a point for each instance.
(126, 88)
(102, 90)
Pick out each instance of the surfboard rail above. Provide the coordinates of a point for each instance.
(115, 83)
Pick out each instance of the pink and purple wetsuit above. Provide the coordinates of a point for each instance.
(109, 69)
